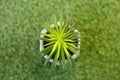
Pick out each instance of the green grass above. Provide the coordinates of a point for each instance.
(22, 20)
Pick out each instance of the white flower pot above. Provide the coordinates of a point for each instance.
(75, 55)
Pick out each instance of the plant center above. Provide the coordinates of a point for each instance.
(60, 38)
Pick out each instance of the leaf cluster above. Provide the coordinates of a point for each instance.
(61, 41)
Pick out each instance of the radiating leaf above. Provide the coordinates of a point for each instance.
(56, 56)
(51, 53)
(67, 54)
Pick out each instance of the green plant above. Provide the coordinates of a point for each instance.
(61, 41)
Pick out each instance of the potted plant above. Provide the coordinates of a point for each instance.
(59, 44)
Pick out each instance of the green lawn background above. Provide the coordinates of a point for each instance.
(22, 20)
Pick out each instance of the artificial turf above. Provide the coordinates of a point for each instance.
(22, 20)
